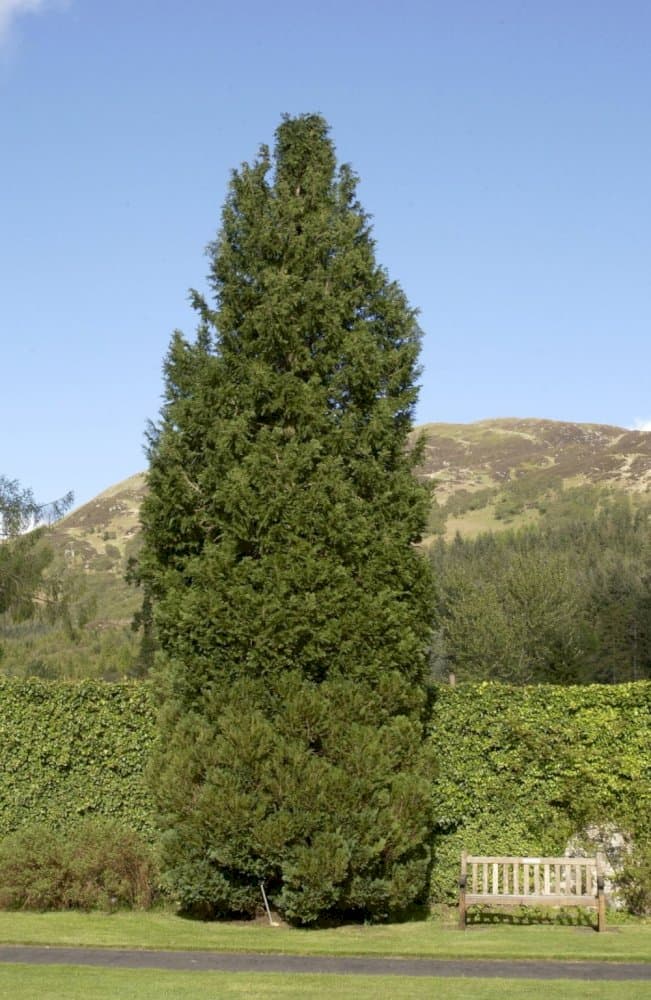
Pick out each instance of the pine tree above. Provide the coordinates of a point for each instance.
(291, 606)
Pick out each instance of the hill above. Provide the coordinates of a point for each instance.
(504, 472)
(487, 476)
(99, 537)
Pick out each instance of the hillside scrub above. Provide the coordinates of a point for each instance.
(291, 605)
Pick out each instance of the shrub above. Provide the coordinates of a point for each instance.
(97, 864)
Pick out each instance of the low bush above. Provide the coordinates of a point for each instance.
(98, 864)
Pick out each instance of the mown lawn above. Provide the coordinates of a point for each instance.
(432, 939)
(24, 982)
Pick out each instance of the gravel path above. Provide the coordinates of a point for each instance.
(209, 961)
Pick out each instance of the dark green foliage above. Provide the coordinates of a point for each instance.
(93, 864)
(319, 790)
(505, 612)
(568, 601)
(525, 768)
(142, 622)
(278, 551)
(74, 750)
(436, 519)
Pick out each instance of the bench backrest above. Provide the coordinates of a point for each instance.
(520, 876)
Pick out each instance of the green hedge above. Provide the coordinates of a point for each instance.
(72, 750)
(522, 769)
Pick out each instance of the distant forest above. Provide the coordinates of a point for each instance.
(565, 601)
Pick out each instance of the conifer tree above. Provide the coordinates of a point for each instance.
(292, 609)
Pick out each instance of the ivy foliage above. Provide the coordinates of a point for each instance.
(278, 553)
(75, 750)
(526, 768)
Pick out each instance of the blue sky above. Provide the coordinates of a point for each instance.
(504, 151)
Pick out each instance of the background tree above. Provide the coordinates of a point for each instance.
(291, 606)
(23, 555)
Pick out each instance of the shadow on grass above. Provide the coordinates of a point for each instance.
(417, 913)
(532, 915)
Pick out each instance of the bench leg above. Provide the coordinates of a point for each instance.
(601, 896)
(463, 881)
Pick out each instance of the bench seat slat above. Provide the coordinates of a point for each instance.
(553, 899)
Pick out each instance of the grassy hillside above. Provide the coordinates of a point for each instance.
(488, 476)
(506, 472)
(98, 539)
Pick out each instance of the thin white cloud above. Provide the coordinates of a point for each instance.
(10, 10)
(642, 425)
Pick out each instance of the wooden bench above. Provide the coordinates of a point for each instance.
(501, 881)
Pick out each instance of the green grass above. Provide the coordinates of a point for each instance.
(24, 982)
(433, 939)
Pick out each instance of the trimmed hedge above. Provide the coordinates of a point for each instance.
(75, 750)
(522, 769)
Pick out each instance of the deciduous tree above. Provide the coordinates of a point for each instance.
(23, 556)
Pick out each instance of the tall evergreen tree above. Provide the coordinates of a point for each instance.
(292, 609)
